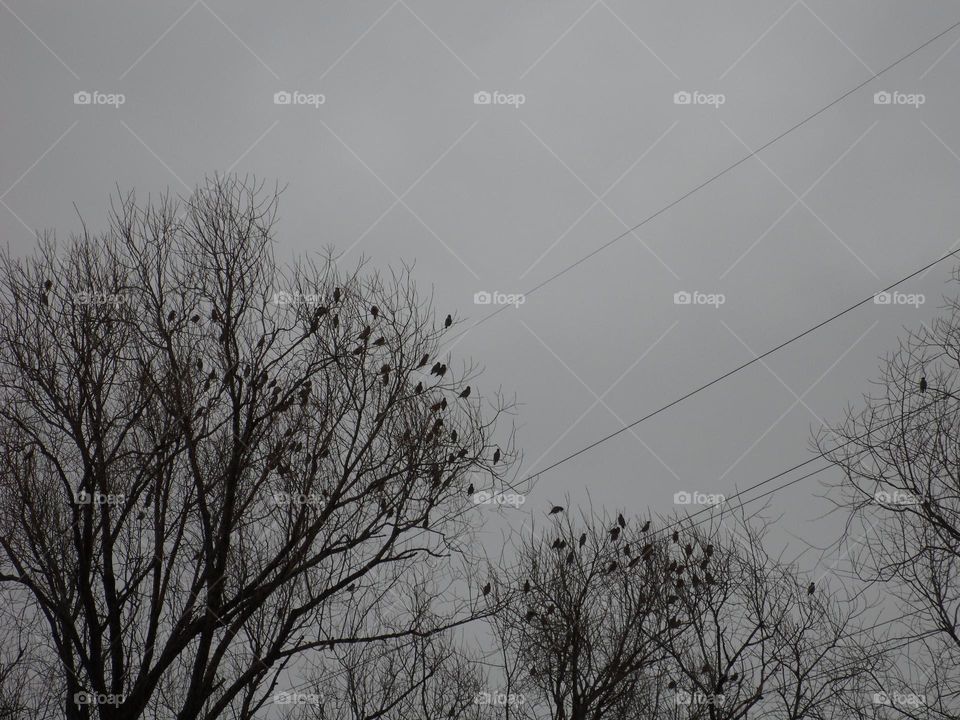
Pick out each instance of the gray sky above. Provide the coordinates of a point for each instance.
(399, 163)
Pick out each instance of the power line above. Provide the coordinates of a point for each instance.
(719, 174)
(740, 367)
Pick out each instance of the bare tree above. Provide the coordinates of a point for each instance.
(617, 618)
(900, 459)
(212, 467)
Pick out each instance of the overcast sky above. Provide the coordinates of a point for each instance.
(400, 163)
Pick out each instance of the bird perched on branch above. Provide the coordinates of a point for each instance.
(466, 392)
(556, 509)
(923, 384)
(448, 322)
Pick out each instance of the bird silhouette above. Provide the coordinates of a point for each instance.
(688, 549)
(633, 562)
(612, 566)
(171, 316)
(614, 533)
(486, 589)
(556, 509)
(496, 455)
(336, 295)
(531, 614)
(672, 685)
(675, 537)
(436, 407)
(470, 490)
(442, 371)
(583, 539)
(364, 334)
(448, 322)
(646, 526)
(453, 435)
(557, 544)
(374, 310)
(526, 586)
(620, 521)
(708, 550)
(47, 285)
(379, 341)
(810, 588)
(195, 319)
(673, 623)
(466, 392)
(419, 388)
(570, 557)
(435, 369)
(423, 361)
(923, 384)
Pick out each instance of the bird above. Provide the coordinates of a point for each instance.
(620, 521)
(365, 333)
(47, 285)
(336, 295)
(419, 388)
(423, 361)
(615, 533)
(646, 526)
(448, 322)
(708, 550)
(672, 685)
(810, 588)
(379, 341)
(570, 557)
(557, 544)
(556, 509)
(612, 566)
(470, 490)
(583, 539)
(195, 319)
(526, 586)
(374, 310)
(442, 370)
(466, 392)
(531, 614)
(435, 369)
(673, 623)
(923, 384)
(675, 537)
(486, 589)
(688, 549)
(171, 316)
(453, 435)
(436, 406)
(633, 562)
(496, 455)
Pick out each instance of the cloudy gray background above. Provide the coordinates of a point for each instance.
(399, 164)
